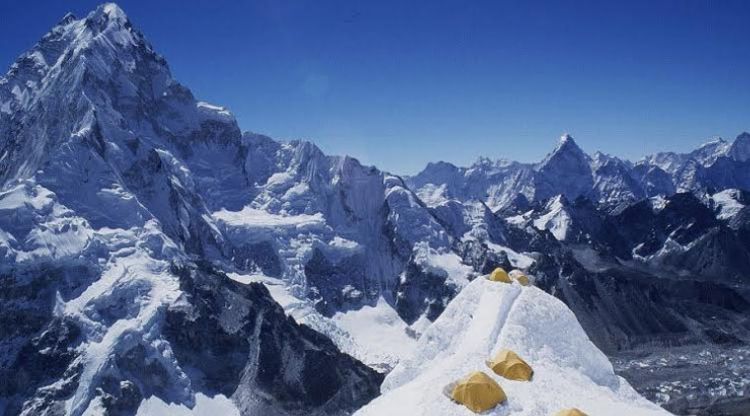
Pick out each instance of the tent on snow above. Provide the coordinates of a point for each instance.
(509, 365)
(520, 277)
(478, 392)
(570, 412)
(499, 275)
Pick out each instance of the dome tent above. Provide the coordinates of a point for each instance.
(508, 364)
(485, 317)
(478, 392)
(520, 277)
(570, 412)
(499, 275)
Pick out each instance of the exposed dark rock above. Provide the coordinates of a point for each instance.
(239, 343)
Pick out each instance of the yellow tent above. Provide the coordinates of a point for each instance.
(570, 412)
(478, 392)
(499, 275)
(509, 365)
(520, 277)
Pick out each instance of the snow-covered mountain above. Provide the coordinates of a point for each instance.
(486, 317)
(566, 171)
(653, 253)
(126, 201)
(604, 179)
(109, 169)
(143, 235)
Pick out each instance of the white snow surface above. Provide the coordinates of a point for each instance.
(433, 195)
(556, 219)
(726, 202)
(382, 337)
(442, 262)
(521, 261)
(375, 335)
(204, 406)
(569, 371)
(257, 218)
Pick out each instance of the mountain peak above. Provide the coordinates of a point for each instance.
(565, 138)
(112, 11)
(740, 148)
(567, 143)
(715, 141)
(67, 19)
(566, 170)
(110, 18)
(484, 162)
(526, 320)
(566, 146)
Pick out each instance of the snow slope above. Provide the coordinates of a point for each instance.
(727, 203)
(556, 219)
(569, 371)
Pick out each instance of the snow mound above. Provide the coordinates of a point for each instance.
(204, 406)
(569, 371)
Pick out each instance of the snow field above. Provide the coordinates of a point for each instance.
(569, 371)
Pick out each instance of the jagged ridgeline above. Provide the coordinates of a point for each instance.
(155, 259)
(107, 301)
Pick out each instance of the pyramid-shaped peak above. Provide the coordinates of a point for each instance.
(566, 145)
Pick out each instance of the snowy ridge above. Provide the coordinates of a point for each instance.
(568, 171)
(569, 371)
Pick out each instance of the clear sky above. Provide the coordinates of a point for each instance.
(401, 83)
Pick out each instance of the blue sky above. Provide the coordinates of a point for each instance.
(398, 84)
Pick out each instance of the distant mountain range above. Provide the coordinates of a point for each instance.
(152, 254)
(604, 179)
